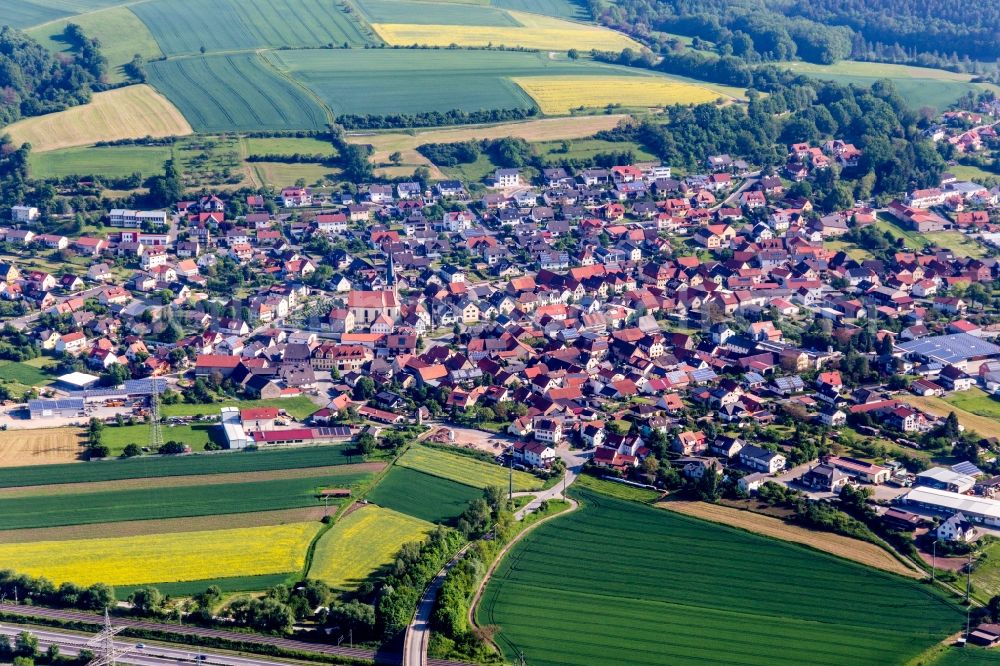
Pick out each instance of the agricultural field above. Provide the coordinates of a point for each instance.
(683, 590)
(168, 501)
(562, 94)
(919, 86)
(566, 9)
(46, 446)
(119, 30)
(960, 244)
(107, 162)
(429, 498)
(23, 373)
(986, 574)
(248, 94)
(586, 149)
(987, 426)
(188, 26)
(169, 466)
(228, 584)
(851, 549)
(278, 174)
(967, 656)
(976, 401)
(186, 556)
(298, 407)
(464, 469)
(534, 32)
(417, 12)
(124, 113)
(361, 543)
(385, 143)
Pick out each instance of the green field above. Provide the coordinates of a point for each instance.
(567, 9)
(120, 32)
(233, 584)
(154, 467)
(388, 81)
(585, 149)
(430, 13)
(298, 407)
(973, 656)
(288, 146)
(246, 94)
(279, 174)
(22, 13)
(361, 543)
(960, 244)
(196, 436)
(976, 401)
(166, 502)
(104, 162)
(22, 373)
(463, 469)
(919, 86)
(422, 496)
(187, 26)
(671, 589)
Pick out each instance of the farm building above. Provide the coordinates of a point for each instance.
(64, 408)
(236, 436)
(78, 381)
(976, 509)
(957, 349)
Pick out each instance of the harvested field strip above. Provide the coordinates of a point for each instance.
(227, 462)
(681, 590)
(200, 480)
(141, 504)
(422, 496)
(165, 558)
(984, 425)
(361, 543)
(535, 32)
(129, 528)
(553, 129)
(19, 448)
(835, 544)
(561, 94)
(463, 469)
(131, 112)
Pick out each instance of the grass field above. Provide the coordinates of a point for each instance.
(228, 584)
(463, 469)
(288, 146)
(851, 549)
(39, 447)
(673, 589)
(960, 244)
(247, 94)
(560, 94)
(567, 9)
(107, 162)
(534, 32)
(23, 373)
(361, 543)
(23, 13)
(279, 174)
(187, 556)
(971, 655)
(986, 575)
(298, 407)
(76, 508)
(920, 86)
(153, 467)
(416, 12)
(618, 490)
(974, 173)
(986, 426)
(196, 436)
(976, 401)
(853, 251)
(186, 26)
(120, 31)
(123, 113)
(584, 149)
(422, 496)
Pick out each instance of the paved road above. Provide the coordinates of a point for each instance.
(418, 634)
(149, 655)
(750, 181)
(574, 465)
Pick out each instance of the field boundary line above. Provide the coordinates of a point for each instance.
(477, 597)
(262, 54)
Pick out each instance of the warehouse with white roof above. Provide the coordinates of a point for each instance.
(977, 509)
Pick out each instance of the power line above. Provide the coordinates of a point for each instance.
(108, 653)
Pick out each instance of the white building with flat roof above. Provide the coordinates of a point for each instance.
(975, 508)
(232, 426)
(121, 217)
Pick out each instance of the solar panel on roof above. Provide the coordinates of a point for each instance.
(951, 348)
(966, 467)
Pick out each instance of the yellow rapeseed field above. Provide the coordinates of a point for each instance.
(131, 112)
(165, 558)
(361, 543)
(535, 32)
(560, 94)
